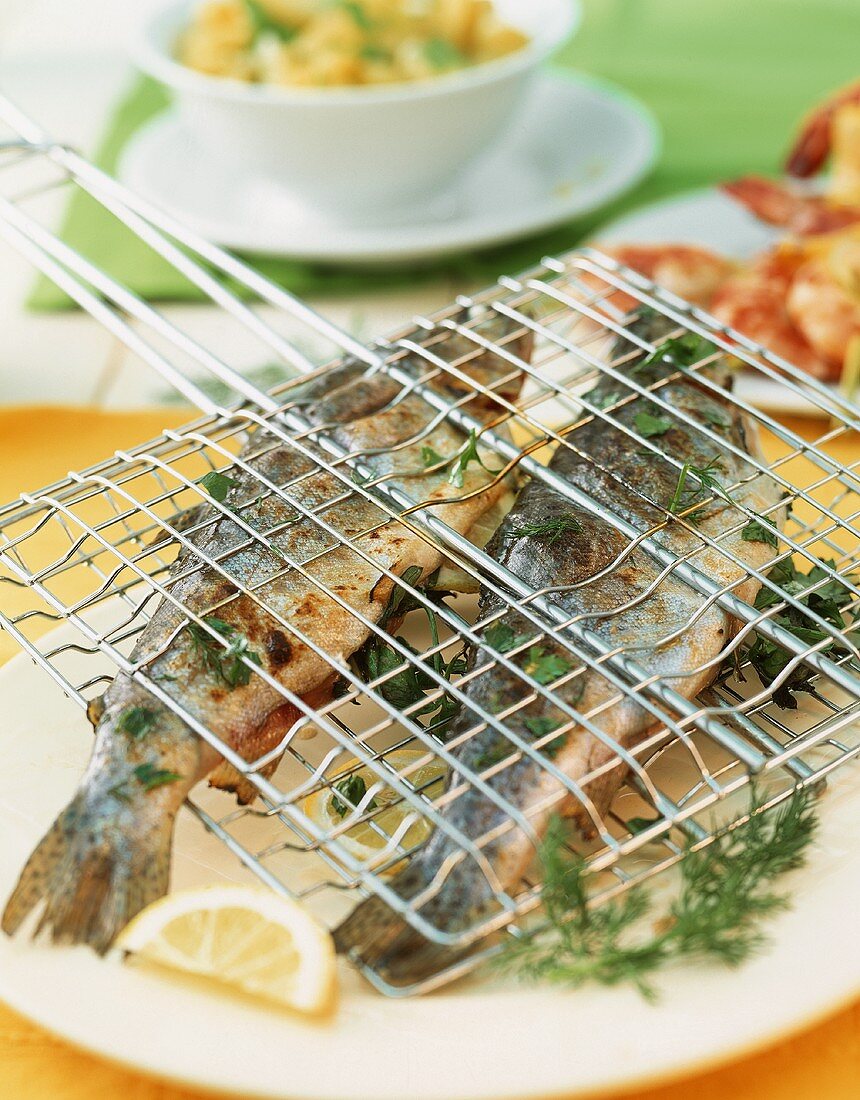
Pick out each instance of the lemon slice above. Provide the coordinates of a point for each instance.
(248, 938)
(368, 841)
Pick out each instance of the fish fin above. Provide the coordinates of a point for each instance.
(92, 881)
(227, 778)
(380, 938)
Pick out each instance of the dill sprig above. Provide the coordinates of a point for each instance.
(704, 475)
(716, 915)
(225, 662)
(549, 531)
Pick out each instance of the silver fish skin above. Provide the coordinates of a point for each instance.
(616, 594)
(108, 853)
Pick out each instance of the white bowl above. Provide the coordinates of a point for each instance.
(358, 149)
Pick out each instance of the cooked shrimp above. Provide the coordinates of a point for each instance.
(824, 302)
(754, 302)
(777, 204)
(815, 139)
(691, 273)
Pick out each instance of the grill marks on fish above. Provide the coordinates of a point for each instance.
(615, 591)
(107, 855)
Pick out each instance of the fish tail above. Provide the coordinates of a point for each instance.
(377, 936)
(91, 877)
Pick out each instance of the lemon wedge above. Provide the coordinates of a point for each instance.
(367, 841)
(248, 938)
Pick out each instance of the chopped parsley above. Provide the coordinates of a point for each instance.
(227, 663)
(370, 51)
(430, 457)
(550, 530)
(544, 666)
(353, 789)
(648, 426)
(768, 659)
(151, 777)
(266, 24)
(467, 455)
(540, 727)
(136, 721)
(359, 15)
(679, 352)
(757, 530)
(443, 54)
(217, 485)
(501, 637)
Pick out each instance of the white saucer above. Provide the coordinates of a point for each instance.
(711, 219)
(576, 145)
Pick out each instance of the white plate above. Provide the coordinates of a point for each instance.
(481, 1041)
(576, 145)
(711, 219)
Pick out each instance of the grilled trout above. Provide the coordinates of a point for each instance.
(107, 855)
(618, 593)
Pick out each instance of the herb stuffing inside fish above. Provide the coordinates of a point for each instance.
(108, 853)
(616, 591)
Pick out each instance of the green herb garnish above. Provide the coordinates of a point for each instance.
(550, 530)
(716, 915)
(353, 788)
(227, 662)
(757, 530)
(467, 455)
(430, 457)
(151, 777)
(359, 15)
(540, 727)
(705, 476)
(217, 485)
(544, 666)
(680, 352)
(371, 52)
(714, 418)
(443, 54)
(136, 721)
(648, 426)
(502, 638)
(768, 658)
(264, 23)
(604, 400)
(638, 825)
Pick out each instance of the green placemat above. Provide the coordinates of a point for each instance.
(727, 80)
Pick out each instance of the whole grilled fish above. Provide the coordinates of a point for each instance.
(617, 593)
(107, 855)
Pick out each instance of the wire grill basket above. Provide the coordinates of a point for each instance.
(97, 551)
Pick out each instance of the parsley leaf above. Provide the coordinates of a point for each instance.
(648, 426)
(136, 721)
(501, 637)
(353, 788)
(678, 353)
(544, 666)
(467, 455)
(227, 663)
(217, 485)
(151, 777)
(430, 457)
(758, 530)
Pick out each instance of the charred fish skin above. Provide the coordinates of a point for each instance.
(617, 592)
(107, 855)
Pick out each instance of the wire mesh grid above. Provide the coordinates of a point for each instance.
(329, 520)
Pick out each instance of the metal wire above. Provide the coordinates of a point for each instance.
(511, 371)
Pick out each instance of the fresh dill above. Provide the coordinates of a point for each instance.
(353, 789)
(227, 663)
(467, 455)
(549, 531)
(757, 530)
(716, 916)
(544, 666)
(217, 485)
(684, 495)
(649, 426)
(136, 721)
(151, 777)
